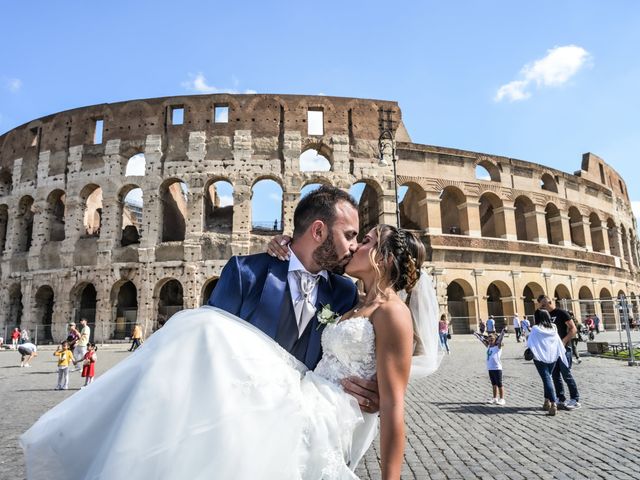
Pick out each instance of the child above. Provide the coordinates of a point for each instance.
(89, 362)
(494, 365)
(65, 357)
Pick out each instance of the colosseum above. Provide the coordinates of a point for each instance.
(112, 212)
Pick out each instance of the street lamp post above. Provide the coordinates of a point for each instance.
(387, 134)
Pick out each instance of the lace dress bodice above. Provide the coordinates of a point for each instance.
(348, 350)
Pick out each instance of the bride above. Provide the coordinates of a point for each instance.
(210, 396)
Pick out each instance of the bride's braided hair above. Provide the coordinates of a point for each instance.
(403, 253)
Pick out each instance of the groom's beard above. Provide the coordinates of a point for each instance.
(327, 257)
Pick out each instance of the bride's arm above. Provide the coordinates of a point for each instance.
(394, 348)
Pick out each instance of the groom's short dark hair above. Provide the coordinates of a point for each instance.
(320, 204)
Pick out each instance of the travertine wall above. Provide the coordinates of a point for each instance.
(496, 231)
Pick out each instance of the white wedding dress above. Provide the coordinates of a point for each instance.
(209, 396)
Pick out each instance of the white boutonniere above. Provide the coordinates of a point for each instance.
(326, 316)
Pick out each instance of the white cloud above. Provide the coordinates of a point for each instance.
(311, 161)
(13, 84)
(553, 70)
(198, 83)
(636, 210)
(225, 200)
(276, 197)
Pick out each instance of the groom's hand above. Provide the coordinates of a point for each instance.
(364, 391)
(279, 247)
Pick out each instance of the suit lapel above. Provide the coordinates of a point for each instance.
(324, 298)
(270, 305)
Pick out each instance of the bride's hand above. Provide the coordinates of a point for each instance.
(279, 247)
(364, 391)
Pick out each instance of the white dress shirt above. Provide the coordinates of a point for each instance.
(294, 265)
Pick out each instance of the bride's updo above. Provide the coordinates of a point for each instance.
(402, 252)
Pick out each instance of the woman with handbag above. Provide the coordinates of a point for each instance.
(443, 329)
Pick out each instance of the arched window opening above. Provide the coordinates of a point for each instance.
(531, 292)
(132, 208)
(547, 182)
(625, 244)
(126, 310)
(577, 227)
(461, 310)
(563, 297)
(634, 247)
(526, 226)
(136, 166)
(482, 173)
(453, 213)
(313, 161)
(413, 208)
(597, 236)
(44, 313)
(587, 304)
(614, 238)
(174, 211)
(56, 212)
(24, 225)
(207, 290)
(487, 171)
(608, 309)
(92, 218)
(85, 305)
(553, 221)
(14, 319)
(170, 300)
(4, 222)
(6, 183)
(492, 221)
(368, 197)
(218, 211)
(266, 207)
(495, 307)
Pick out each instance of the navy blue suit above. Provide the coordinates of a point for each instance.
(255, 288)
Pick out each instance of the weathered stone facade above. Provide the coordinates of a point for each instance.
(63, 215)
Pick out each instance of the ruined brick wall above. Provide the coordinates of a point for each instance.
(94, 272)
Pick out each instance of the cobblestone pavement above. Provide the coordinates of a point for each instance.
(452, 432)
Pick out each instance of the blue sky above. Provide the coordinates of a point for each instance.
(444, 62)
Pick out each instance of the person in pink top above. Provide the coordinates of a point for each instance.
(443, 329)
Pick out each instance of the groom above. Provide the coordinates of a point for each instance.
(281, 298)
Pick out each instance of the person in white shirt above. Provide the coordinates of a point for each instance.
(517, 327)
(494, 364)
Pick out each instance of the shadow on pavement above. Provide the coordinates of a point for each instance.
(484, 408)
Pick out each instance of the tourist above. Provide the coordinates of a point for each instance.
(494, 364)
(89, 363)
(482, 327)
(547, 350)
(596, 323)
(24, 336)
(517, 327)
(73, 335)
(491, 325)
(566, 330)
(15, 338)
(28, 351)
(65, 358)
(81, 345)
(576, 338)
(443, 331)
(136, 337)
(526, 328)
